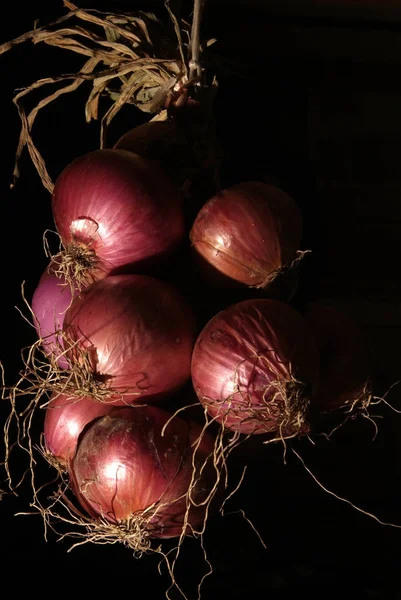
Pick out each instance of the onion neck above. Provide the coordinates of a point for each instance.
(79, 265)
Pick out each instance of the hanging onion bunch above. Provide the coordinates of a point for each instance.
(114, 342)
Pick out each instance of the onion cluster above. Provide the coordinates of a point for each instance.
(141, 314)
(117, 338)
(170, 330)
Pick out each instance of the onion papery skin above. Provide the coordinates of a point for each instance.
(345, 360)
(246, 363)
(124, 465)
(65, 419)
(50, 301)
(139, 333)
(248, 232)
(117, 210)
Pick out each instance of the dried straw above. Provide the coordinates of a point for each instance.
(128, 59)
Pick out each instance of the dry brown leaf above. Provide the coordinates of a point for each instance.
(131, 61)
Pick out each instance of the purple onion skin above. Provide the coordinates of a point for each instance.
(241, 351)
(65, 419)
(248, 232)
(140, 333)
(124, 465)
(120, 206)
(50, 301)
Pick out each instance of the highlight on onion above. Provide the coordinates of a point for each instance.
(65, 419)
(345, 381)
(50, 301)
(128, 337)
(249, 233)
(114, 210)
(255, 367)
(146, 473)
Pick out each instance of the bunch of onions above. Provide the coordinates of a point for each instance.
(50, 301)
(114, 211)
(255, 367)
(145, 472)
(248, 233)
(65, 419)
(128, 337)
(344, 358)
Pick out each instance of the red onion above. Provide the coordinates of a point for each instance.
(165, 144)
(138, 334)
(65, 419)
(114, 210)
(50, 301)
(344, 357)
(248, 232)
(255, 366)
(185, 148)
(125, 470)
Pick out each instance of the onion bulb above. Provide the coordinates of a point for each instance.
(255, 367)
(50, 301)
(249, 233)
(132, 335)
(129, 471)
(185, 147)
(114, 210)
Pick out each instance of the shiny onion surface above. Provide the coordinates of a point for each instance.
(138, 334)
(255, 366)
(128, 467)
(114, 210)
(248, 232)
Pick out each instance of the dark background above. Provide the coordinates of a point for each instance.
(317, 107)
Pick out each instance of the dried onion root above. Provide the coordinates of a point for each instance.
(245, 381)
(255, 366)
